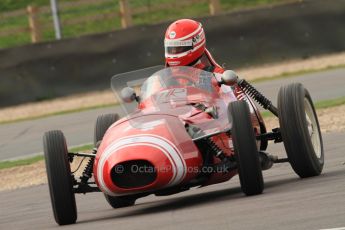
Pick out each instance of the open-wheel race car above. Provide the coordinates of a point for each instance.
(183, 127)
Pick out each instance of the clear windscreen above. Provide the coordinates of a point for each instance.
(165, 95)
(133, 79)
(157, 86)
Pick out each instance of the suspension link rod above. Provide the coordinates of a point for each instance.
(83, 154)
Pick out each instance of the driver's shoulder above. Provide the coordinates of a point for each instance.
(218, 70)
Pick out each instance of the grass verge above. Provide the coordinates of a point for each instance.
(330, 103)
(34, 159)
(318, 105)
(295, 74)
(76, 110)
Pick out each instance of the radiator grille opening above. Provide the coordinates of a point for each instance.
(133, 174)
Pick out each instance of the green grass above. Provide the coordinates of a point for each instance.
(330, 103)
(82, 148)
(92, 26)
(9, 5)
(196, 10)
(318, 105)
(32, 160)
(22, 162)
(266, 114)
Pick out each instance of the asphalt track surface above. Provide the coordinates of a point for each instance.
(288, 202)
(22, 139)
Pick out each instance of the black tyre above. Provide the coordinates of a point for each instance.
(246, 153)
(59, 178)
(102, 124)
(300, 130)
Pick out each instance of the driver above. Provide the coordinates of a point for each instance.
(185, 45)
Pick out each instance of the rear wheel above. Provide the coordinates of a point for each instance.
(300, 130)
(246, 153)
(59, 178)
(102, 124)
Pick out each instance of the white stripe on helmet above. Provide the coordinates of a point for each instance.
(189, 35)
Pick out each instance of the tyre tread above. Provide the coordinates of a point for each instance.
(246, 152)
(59, 178)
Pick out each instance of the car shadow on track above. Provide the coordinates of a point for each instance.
(272, 186)
(187, 201)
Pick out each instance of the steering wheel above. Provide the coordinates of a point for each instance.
(189, 82)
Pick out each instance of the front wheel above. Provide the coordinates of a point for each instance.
(102, 124)
(246, 153)
(300, 130)
(59, 178)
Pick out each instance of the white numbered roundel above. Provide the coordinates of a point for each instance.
(172, 34)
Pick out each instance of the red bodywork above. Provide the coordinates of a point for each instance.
(157, 137)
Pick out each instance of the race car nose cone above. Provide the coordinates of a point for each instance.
(144, 165)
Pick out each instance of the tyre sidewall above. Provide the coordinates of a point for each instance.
(294, 130)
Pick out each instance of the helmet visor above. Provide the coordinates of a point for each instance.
(177, 49)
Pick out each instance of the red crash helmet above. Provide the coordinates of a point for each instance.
(184, 42)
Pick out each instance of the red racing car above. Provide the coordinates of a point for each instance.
(183, 127)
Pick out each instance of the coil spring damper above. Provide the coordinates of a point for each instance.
(257, 96)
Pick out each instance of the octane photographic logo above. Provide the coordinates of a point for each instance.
(172, 35)
(119, 169)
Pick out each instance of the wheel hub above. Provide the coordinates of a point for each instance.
(312, 128)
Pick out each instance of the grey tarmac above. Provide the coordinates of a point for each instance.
(288, 202)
